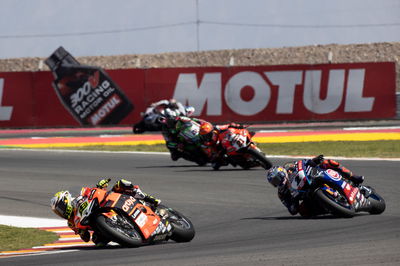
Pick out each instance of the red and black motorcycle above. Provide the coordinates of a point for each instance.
(128, 221)
(239, 149)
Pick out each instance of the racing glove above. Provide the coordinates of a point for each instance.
(103, 183)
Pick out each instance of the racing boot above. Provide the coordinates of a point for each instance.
(175, 155)
(84, 234)
(216, 165)
(221, 160)
(99, 240)
(123, 186)
(356, 179)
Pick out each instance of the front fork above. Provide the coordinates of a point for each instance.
(164, 228)
(360, 202)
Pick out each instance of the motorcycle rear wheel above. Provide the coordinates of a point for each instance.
(336, 207)
(120, 230)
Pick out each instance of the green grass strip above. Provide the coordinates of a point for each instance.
(14, 238)
(381, 149)
(384, 148)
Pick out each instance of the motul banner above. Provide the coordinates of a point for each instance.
(89, 94)
(219, 94)
(286, 93)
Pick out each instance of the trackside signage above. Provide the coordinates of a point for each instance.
(286, 93)
(87, 92)
(219, 94)
(211, 90)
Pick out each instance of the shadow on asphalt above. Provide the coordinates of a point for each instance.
(114, 246)
(197, 168)
(298, 217)
(168, 166)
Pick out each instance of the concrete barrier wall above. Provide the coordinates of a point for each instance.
(318, 54)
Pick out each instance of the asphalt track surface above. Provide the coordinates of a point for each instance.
(237, 215)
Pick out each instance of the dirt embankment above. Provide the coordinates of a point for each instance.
(318, 54)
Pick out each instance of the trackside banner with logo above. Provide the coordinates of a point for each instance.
(219, 94)
(89, 94)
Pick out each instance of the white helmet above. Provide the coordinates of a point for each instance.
(189, 110)
(61, 204)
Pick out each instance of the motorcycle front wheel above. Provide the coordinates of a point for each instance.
(138, 128)
(260, 157)
(378, 204)
(336, 205)
(183, 230)
(119, 229)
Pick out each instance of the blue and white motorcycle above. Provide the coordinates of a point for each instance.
(327, 191)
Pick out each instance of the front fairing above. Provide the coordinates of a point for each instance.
(339, 183)
(301, 179)
(144, 217)
(235, 141)
(86, 204)
(190, 132)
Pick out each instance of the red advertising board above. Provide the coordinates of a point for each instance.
(220, 94)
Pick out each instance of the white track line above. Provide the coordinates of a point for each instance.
(167, 153)
(35, 222)
(370, 128)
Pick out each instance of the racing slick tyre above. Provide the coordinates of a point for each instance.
(260, 157)
(337, 206)
(138, 128)
(378, 204)
(119, 229)
(183, 230)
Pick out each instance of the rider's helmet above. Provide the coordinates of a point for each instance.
(189, 110)
(61, 204)
(277, 176)
(206, 128)
(207, 131)
(173, 103)
(169, 113)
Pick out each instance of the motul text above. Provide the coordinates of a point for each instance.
(344, 86)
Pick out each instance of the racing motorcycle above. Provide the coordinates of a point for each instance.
(325, 191)
(239, 149)
(128, 221)
(153, 115)
(187, 138)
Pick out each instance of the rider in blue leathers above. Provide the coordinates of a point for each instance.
(282, 176)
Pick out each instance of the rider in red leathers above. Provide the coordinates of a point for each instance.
(213, 137)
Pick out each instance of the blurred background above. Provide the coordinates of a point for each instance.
(34, 28)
